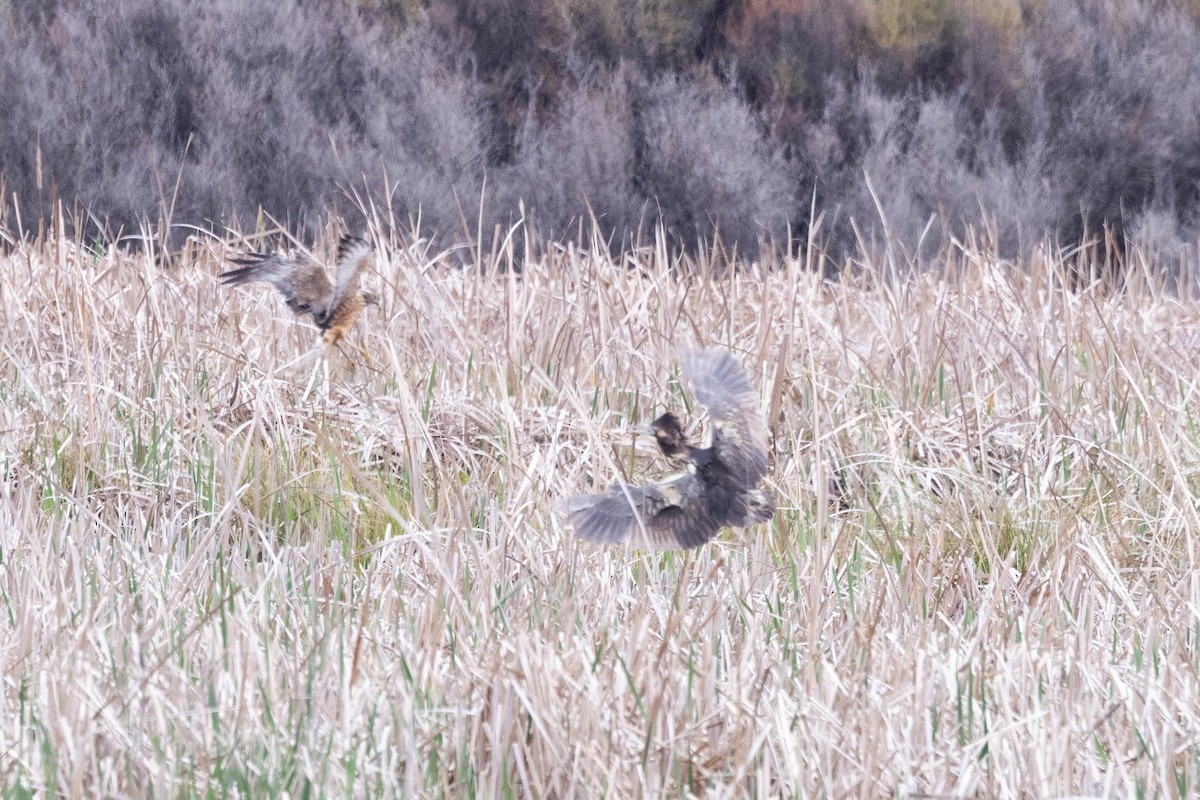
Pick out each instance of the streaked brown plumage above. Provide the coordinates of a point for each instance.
(719, 485)
(305, 285)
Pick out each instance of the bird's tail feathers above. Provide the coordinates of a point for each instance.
(760, 507)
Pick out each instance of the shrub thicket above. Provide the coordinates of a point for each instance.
(1055, 117)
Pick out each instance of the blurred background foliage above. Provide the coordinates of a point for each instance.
(1027, 118)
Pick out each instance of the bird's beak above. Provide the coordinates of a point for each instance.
(644, 430)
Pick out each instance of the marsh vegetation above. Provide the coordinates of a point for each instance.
(217, 578)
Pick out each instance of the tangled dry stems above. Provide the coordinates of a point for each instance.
(219, 575)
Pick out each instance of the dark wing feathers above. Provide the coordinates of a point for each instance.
(664, 515)
(688, 509)
(303, 282)
(606, 517)
(735, 422)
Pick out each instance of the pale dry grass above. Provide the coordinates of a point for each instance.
(220, 577)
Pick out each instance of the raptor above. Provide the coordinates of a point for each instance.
(718, 483)
(304, 283)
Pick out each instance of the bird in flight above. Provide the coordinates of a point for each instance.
(305, 285)
(718, 484)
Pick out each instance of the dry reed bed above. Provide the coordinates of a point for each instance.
(220, 575)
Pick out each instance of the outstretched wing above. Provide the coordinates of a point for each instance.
(736, 423)
(303, 282)
(671, 513)
(352, 257)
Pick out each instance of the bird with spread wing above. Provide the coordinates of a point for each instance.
(305, 285)
(719, 482)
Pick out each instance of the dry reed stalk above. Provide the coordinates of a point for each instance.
(982, 580)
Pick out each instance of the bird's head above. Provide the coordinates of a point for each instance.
(668, 432)
(370, 298)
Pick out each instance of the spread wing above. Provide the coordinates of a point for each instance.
(303, 282)
(735, 420)
(352, 257)
(672, 513)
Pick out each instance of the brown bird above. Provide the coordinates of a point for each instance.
(719, 483)
(304, 284)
